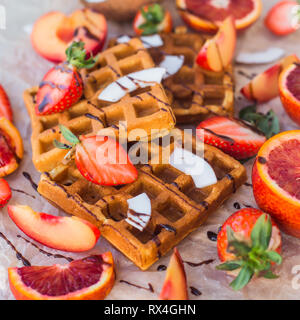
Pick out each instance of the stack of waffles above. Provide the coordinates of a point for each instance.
(178, 206)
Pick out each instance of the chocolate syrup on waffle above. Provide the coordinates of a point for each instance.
(198, 264)
(91, 116)
(19, 256)
(230, 177)
(58, 256)
(195, 291)
(212, 236)
(28, 177)
(150, 287)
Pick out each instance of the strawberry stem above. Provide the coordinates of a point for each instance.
(77, 56)
(153, 16)
(254, 258)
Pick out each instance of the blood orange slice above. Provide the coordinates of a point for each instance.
(276, 180)
(205, 15)
(90, 278)
(289, 91)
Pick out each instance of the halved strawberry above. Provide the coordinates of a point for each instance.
(152, 19)
(232, 136)
(5, 108)
(100, 159)
(62, 85)
(283, 18)
(5, 192)
(249, 242)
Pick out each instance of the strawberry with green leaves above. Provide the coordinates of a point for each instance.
(101, 160)
(62, 86)
(152, 19)
(249, 243)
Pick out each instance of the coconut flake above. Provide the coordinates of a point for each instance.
(260, 57)
(199, 169)
(129, 83)
(139, 211)
(172, 64)
(153, 41)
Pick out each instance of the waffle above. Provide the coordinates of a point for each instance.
(194, 93)
(145, 108)
(178, 207)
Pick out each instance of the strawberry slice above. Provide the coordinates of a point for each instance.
(62, 86)
(5, 192)
(232, 136)
(5, 109)
(152, 19)
(99, 159)
(283, 18)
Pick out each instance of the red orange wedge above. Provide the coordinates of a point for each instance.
(90, 278)
(276, 180)
(289, 91)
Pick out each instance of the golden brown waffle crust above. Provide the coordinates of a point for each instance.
(145, 109)
(176, 204)
(195, 94)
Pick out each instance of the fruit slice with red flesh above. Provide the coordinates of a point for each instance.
(264, 86)
(217, 53)
(61, 87)
(91, 278)
(70, 234)
(11, 147)
(5, 108)
(175, 286)
(207, 14)
(53, 32)
(232, 136)
(276, 180)
(289, 91)
(279, 19)
(5, 192)
(103, 161)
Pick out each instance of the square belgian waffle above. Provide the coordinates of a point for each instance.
(194, 93)
(145, 108)
(178, 207)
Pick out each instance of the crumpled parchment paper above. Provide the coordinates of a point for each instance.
(21, 67)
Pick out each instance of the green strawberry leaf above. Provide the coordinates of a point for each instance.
(274, 256)
(235, 246)
(230, 265)
(267, 123)
(61, 145)
(69, 135)
(242, 279)
(270, 275)
(261, 232)
(76, 56)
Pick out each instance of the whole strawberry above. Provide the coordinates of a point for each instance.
(62, 86)
(249, 243)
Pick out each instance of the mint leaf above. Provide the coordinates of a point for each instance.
(68, 135)
(267, 123)
(242, 279)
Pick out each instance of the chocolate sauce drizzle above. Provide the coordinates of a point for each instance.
(91, 116)
(198, 264)
(161, 267)
(247, 184)
(28, 177)
(230, 140)
(212, 236)
(19, 256)
(150, 287)
(195, 291)
(237, 205)
(48, 254)
(23, 192)
(230, 177)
